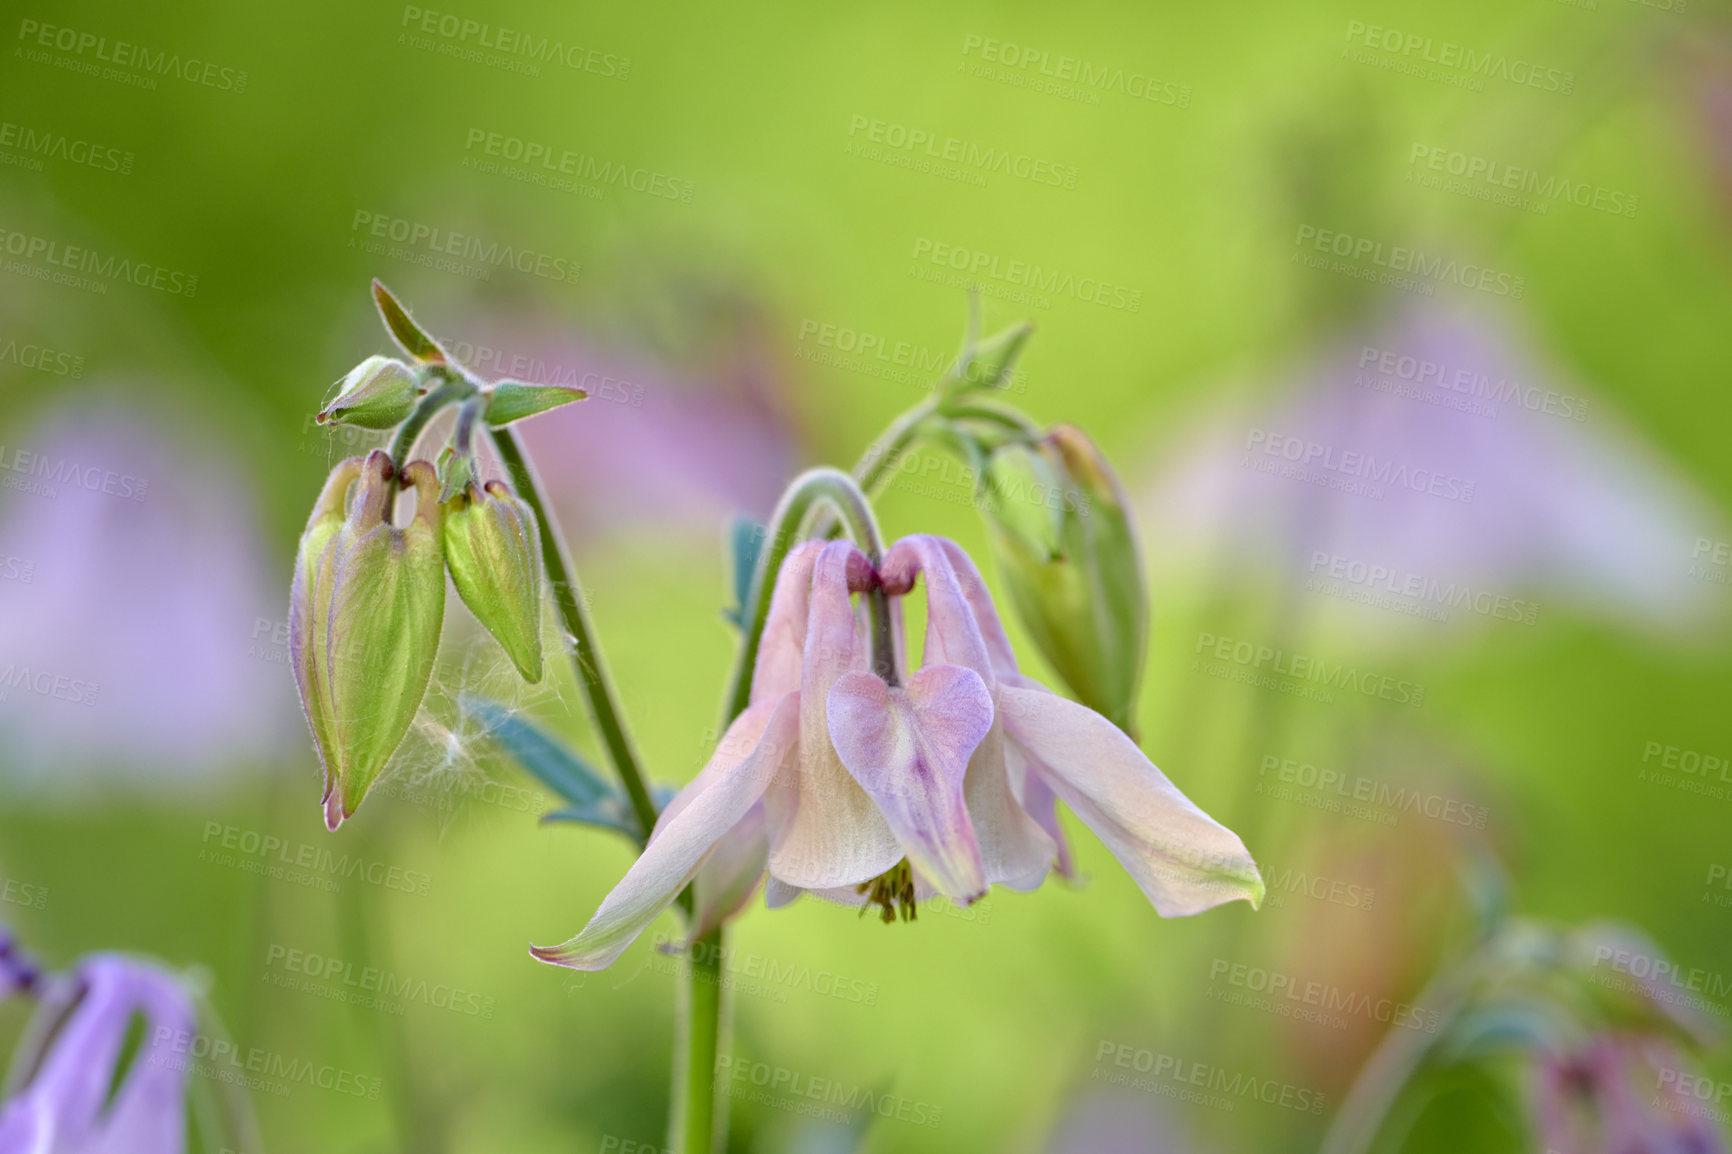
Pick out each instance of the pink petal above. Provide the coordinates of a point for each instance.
(953, 635)
(782, 648)
(909, 749)
(675, 854)
(824, 830)
(1183, 859)
(1014, 849)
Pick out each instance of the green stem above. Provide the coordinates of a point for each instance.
(880, 457)
(447, 391)
(694, 1119)
(604, 708)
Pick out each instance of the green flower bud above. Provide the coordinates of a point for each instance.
(1065, 546)
(365, 612)
(378, 393)
(509, 401)
(493, 546)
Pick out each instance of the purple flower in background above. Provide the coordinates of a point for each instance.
(1622, 1094)
(63, 1103)
(651, 447)
(1429, 468)
(140, 629)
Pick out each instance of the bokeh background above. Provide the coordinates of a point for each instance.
(773, 276)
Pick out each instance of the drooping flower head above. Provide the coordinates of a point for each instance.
(900, 787)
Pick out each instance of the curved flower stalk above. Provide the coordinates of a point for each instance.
(903, 788)
(64, 1104)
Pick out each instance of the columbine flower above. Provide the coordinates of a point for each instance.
(65, 1105)
(1620, 1094)
(899, 791)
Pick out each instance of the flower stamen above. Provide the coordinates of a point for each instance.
(892, 892)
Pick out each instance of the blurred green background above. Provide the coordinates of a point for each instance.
(996, 1017)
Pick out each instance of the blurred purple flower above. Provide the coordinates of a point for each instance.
(1429, 456)
(1621, 1094)
(1117, 1123)
(650, 447)
(64, 1104)
(140, 628)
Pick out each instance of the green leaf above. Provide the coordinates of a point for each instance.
(549, 761)
(415, 342)
(746, 542)
(988, 364)
(509, 401)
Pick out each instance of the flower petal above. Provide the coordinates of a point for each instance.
(909, 749)
(824, 830)
(1040, 803)
(953, 635)
(673, 857)
(1184, 860)
(1014, 849)
(781, 648)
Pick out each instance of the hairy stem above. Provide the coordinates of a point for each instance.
(449, 390)
(598, 690)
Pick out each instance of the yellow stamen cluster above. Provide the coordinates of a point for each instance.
(892, 892)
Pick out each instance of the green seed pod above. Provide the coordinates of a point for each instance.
(364, 618)
(1063, 539)
(378, 393)
(493, 547)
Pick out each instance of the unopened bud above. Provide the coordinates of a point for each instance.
(365, 613)
(493, 547)
(378, 393)
(1066, 548)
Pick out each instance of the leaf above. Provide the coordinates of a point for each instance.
(746, 542)
(415, 342)
(509, 401)
(612, 812)
(549, 761)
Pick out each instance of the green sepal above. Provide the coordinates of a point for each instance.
(509, 401)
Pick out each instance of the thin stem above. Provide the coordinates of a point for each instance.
(694, 1119)
(447, 391)
(881, 455)
(604, 708)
